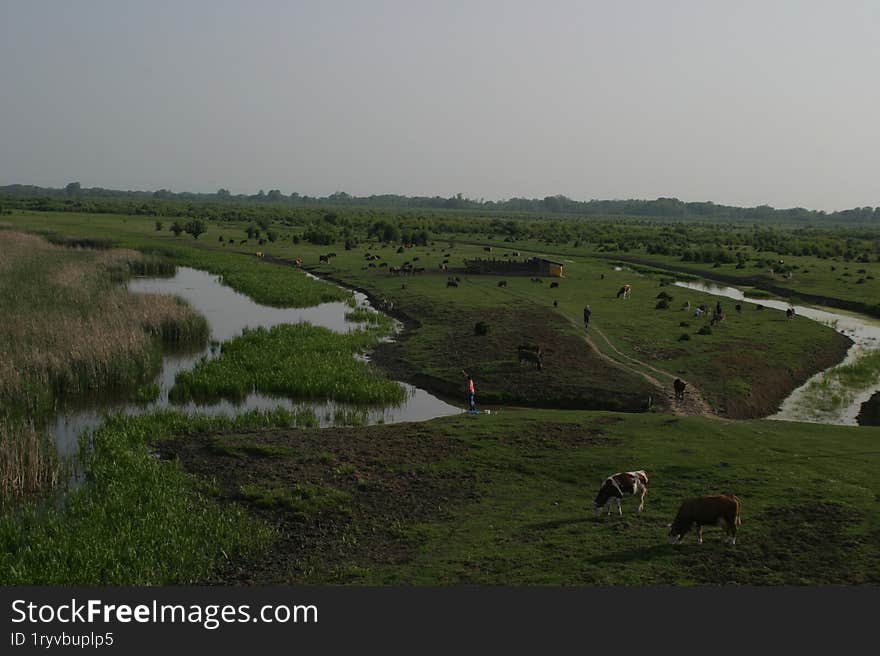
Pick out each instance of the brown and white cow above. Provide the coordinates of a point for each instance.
(717, 509)
(616, 486)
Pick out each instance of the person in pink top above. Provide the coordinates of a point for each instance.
(470, 389)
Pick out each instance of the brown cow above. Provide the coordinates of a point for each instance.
(617, 485)
(720, 509)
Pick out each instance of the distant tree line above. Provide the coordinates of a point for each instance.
(662, 208)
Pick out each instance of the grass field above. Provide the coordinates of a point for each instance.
(501, 498)
(507, 499)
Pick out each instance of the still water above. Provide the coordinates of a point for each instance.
(801, 404)
(228, 313)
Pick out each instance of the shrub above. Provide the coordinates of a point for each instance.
(705, 330)
(481, 328)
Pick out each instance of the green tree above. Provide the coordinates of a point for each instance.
(73, 189)
(159, 225)
(196, 228)
(176, 228)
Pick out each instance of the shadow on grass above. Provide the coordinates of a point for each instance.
(629, 555)
(558, 523)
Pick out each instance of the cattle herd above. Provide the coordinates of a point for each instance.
(713, 510)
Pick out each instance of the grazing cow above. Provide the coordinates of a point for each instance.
(790, 313)
(554, 285)
(502, 283)
(679, 385)
(259, 254)
(331, 254)
(394, 271)
(298, 263)
(242, 242)
(488, 249)
(720, 509)
(516, 253)
(527, 355)
(323, 259)
(624, 291)
(451, 283)
(616, 486)
(526, 346)
(738, 307)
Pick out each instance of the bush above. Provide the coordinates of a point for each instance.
(684, 337)
(662, 304)
(705, 330)
(481, 328)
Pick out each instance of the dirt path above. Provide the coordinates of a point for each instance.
(693, 404)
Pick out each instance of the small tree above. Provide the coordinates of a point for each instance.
(176, 228)
(272, 235)
(159, 225)
(196, 228)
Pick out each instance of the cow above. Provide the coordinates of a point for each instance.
(323, 259)
(502, 283)
(526, 355)
(554, 285)
(614, 488)
(259, 254)
(738, 307)
(716, 509)
(790, 313)
(679, 385)
(624, 291)
(488, 249)
(451, 283)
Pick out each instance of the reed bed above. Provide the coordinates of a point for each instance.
(28, 460)
(297, 361)
(70, 329)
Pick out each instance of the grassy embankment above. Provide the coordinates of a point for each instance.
(507, 499)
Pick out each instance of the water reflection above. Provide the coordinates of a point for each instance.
(228, 313)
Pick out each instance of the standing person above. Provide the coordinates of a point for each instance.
(587, 314)
(470, 392)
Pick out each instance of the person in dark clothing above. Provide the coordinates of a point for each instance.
(587, 314)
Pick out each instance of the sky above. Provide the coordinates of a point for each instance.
(743, 103)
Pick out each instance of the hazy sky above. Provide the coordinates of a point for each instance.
(737, 102)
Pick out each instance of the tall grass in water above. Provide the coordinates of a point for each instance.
(28, 460)
(838, 386)
(68, 329)
(297, 361)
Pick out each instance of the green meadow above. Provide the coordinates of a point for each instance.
(500, 498)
